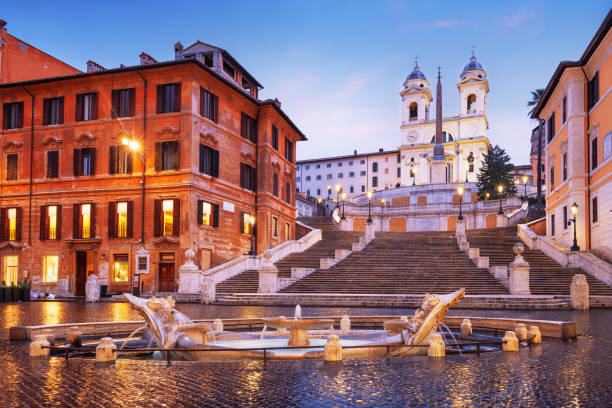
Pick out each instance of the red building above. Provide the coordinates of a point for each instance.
(73, 196)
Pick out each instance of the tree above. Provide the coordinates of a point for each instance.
(535, 98)
(495, 170)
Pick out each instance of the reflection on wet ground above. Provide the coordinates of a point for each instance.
(557, 374)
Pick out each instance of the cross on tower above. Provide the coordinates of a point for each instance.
(473, 49)
(416, 61)
(439, 76)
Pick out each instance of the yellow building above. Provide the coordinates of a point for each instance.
(577, 108)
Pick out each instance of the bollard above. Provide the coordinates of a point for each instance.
(37, 349)
(333, 349)
(579, 292)
(345, 324)
(521, 331)
(218, 325)
(437, 348)
(73, 336)
(466, 328)
(510, 341)
(48, 333)
(106, 350)
(534, 335)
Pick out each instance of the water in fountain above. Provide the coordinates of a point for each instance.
(263, 332)
(298, 312)
(132, 335)
(452, 335)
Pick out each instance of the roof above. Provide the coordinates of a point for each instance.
(135, 68)
(473, 65)
(563, 65)
(352, 156)
(416, 74)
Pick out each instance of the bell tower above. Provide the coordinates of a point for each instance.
(473, 88)
(416, 97)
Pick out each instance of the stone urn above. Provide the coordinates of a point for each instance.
(92, 289)
(189, 275)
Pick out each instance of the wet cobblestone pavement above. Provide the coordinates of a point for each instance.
(556, 374)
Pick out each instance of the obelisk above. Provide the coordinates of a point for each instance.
(438, 163)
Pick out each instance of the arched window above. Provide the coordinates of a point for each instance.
(471, 103)
(446, 137)
(414, 111)
(374, 167)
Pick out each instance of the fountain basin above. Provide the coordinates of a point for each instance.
(298, 329)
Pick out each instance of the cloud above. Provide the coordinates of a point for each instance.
(434, 25)
(517, 19)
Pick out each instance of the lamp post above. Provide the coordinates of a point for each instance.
(369, 207)
(487, 196)
(343, 201)
(252, 223)
(338, 190)
(319, 199)
(525, 179)
(413, 171)
(328, 192)
(382, 203)
(574, 209)
(134, 146)
(500, 189)
(460, 191)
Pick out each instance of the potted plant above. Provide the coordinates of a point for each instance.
(2, 292)
(24, 293)
(14, 292)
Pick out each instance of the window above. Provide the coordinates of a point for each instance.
(594, 153)
(363, 189)
(307, 178)
(329, 165)
(53, 111)
(121, 267)
(297, 179)
(374, 181)
(167, 155)
(471, 168)
(209, 105)
(564, 166)
(288, 192)
(248, 177)
(275, 185)
(167, 218)
(209, 161)
(245, 223)
(228, 69)
(51, 222)
(399, 158)
(120, 219)
(12, 162)
(362, 161)
(318, 166)
(413, 111)
(594, 210)
(399, 172)
(275, 139)
(565, 217)
(319, 177)
(607, 145)
(446, 137)
(329, 176)
(85, 161)
(351, 189)
(593, 91)
(350, 162)
(564, 110)
(275, 227)
(374, 167)
(119, 160)
(307, 193)
(471, 103)
(84, 219)
(550, 127)
(53, 164)
(289, 150)
(208, 213)
(340, 175)
(351, 174)
(318, 191)
(12, 115)
(50, 268)
(123, 103)
(287, 231)
(552, 178)
(11, 224)
(552, 225)
(11, 269)
(362, 173)
(248, 127)
(86, 107)
(307, 167)
(169, 98)
(386, 171)
(339, 164)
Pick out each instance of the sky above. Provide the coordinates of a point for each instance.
(336, 66)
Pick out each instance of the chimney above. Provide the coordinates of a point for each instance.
(355, 152)
(178, 51)
(94, 66)
(2, 23)
(146, 59)
(381, 150)
(277, 102)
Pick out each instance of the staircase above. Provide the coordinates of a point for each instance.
(319, 222)
(248, 281)
(402, 263)
(547, 277)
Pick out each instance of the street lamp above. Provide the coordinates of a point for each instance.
(343, 201)
(319, 199)
(460, 191)
(252, 224)
(413, 171)
(525, 179)
(487, 196)
(328, 192)
(369, 207)
(574, 209)
(500, 189)
(338, 190)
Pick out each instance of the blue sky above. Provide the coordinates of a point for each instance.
(336, 66)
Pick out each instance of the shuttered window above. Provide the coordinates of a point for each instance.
(50, 222)
(12, 115)
(248, 127)
(167, 155)
(123, 103)
(169, 98)
(209, 161)
(53, 111)
(85, 161)
(12, 166)
(550, 127)
(167, 218)
(120, 219)
(53, 164)
(245, 223)
(593, 91)
(208, 213)
(275, 185)
(209, 105)
(119, 160)
(10, 224)
(83, 221)
(86, 107)
(288, 150)
(274, 137)
(248, 177)
(288, 192)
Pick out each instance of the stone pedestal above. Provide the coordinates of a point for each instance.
(333, 349)
(37, 347)
(189, 275)
(370, 232)
(438, 171)
(466, 328)
(268, 275)
(92, 289)
(460, 229)
(106, 350)
(437, 348)
(208, 290)
(510, 342)
(518, 273)
(345, 324)
(579, 292)
(502, 220)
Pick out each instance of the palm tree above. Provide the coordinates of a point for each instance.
(535, 98)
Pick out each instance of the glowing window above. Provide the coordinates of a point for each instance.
(52, 217)
(85, 220)
(50, 268)
(274, 227)
(12, 232)
(246, 223)
(287, 231)
(206, 213)
(11, 268)
(121, 268)
(122, 219)
(168, 214)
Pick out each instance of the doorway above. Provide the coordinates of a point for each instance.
(166, 272)
(84, 268)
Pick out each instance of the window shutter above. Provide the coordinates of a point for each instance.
(215, 215)
(94, 106)
(253, 179)
(114, 103)
(242, 175)
(77, 162)
(92, 221)
(19, 224)
(129, 163)
(112, 160)
(202, 101)
(130, 219)
(157, 218)
(175, 156)
(254, 132)
(215, 163)
(60, 108)
(59, 223)
(49, 165)
(6, 115)
(202, 152)
(132, 97)
(177, 98)
(160, 98)
(112, 220)
(241, 222)
(76, 217)
(199, 212)
(20, 115)
(215, 108)
(78, 111)
(92, 171)
(158, 156)
(243, 125)
(4, 224)
(46, 106)
(176, 217)
(43, 222)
